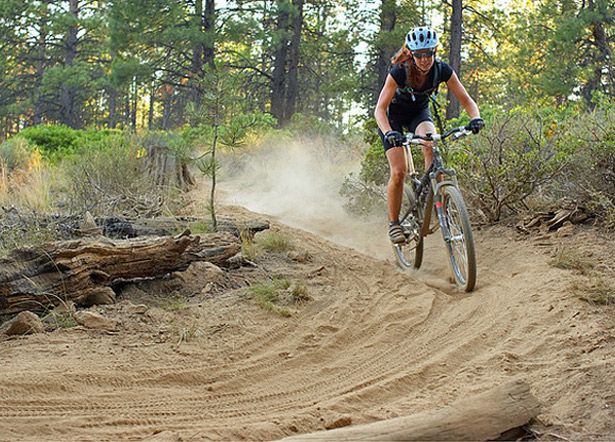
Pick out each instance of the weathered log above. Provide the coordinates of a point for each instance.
(161, 226)
(119, 227)
(84, 270)
(482, 417)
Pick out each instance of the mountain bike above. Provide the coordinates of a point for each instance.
(436, 192)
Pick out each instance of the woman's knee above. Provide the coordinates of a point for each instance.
(397, 175)
(424, 128)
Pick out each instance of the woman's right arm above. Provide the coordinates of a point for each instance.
(386, 95)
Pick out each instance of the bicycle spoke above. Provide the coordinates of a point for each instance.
(456, 238)
(409, 254)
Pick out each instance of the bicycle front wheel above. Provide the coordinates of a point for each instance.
(457, 235)
(410, 253)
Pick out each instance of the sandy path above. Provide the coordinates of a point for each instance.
(372, 344)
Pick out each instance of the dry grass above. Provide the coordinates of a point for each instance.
(173, 304)
(595, 290)
(190, 332)
(269, 293)
(13, 237)
(299, 292)
(28, 185)
(274, 242)
(248, 249)
(60, 319)
(571, 258)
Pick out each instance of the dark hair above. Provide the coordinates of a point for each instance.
(414, 77)
(400, 57)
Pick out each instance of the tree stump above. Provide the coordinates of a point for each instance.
(166, 168)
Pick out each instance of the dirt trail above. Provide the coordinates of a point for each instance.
(372, 344)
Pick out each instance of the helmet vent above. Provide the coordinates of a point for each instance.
(421, 38)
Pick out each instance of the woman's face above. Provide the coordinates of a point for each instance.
(424, 58)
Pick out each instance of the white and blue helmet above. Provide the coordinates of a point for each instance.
(421, 38)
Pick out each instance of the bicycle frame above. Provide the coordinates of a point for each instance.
(437, 191)
(431, 181)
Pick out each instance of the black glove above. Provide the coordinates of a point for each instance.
(476, 124)
(394, 138)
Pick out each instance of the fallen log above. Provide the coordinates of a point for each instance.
(118, 227)
(84, 270)
(482, 417)
(115, 227)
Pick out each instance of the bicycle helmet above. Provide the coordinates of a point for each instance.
(421, 38)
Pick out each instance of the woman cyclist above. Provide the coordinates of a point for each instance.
(404, 103)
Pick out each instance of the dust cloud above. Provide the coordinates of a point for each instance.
(299, 185)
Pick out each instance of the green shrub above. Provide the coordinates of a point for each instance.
(52, 139)
(59, 141)
(106, 181)
(513, 159)
(361, 197)
(522, 154)
(590, 175)
(375, 167)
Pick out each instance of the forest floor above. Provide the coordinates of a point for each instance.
(363, 342)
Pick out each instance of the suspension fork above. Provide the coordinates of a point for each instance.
(439, 205)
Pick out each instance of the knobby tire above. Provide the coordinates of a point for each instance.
(461, 247)
(404, 252)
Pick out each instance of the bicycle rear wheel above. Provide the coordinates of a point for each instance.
(410, 253)
(458, 238)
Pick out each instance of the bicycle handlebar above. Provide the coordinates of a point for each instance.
(456, 132)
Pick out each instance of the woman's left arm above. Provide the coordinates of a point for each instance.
(462, 95)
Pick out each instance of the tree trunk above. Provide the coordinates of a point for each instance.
(70, 111)
(454, 58)
(601, 62)
(197, 52)
(481, 417)
(150, 112)
(126, 121)
(112, 107)
(37, 118)
(133, 107)
(209, 25)
(166, 92)
(293, 62)
(388, 17)
(81, 270)
(278, 86)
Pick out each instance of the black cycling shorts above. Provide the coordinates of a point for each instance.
(398, 123)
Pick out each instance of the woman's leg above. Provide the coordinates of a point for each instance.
(423, 129)
(395, 187)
